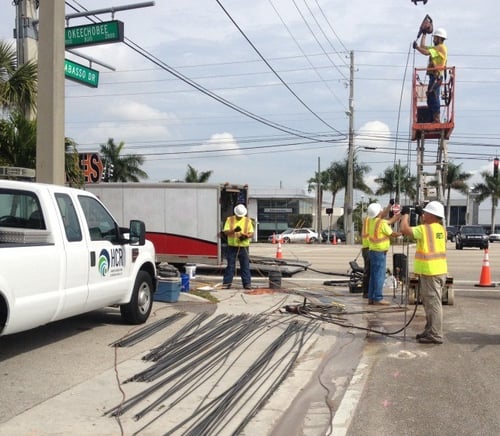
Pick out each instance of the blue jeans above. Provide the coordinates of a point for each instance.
(433, 95)
(377, 275)
(242, 253)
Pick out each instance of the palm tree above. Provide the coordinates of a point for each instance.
(319, 183)
(455, 179)
(335, 178)
(74, 174)
(396, 180)
(490, 187)
(18, 84)
(125, 168)
(18, 141)
(193, 176)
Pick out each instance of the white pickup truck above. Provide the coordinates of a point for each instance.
(63, 254)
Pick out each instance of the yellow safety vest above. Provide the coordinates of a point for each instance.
(379, 231)
(365, 241)
(246, 228)
(430, 253)
(438, 57)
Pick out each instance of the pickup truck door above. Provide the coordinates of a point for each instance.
(110, 263)
(76, 258)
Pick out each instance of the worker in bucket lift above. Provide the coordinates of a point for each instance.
(430, 265)
(239, 230)
(379, 234)
(438, 55)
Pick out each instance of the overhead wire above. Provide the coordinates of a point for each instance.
(294, 132)
(274, 71)
(306, 56)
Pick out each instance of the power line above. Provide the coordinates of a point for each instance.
(274, 71)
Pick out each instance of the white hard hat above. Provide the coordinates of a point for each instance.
(441, 33)
(435, 208)
(240, 210)
(373, 210)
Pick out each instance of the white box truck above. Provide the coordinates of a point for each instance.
(183, 220)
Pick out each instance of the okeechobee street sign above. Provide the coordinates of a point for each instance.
(81, 74)
(93, 34)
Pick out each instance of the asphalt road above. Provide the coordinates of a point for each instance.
(60, 378)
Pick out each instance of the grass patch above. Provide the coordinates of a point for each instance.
(204, 294)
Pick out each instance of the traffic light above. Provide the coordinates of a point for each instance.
(495, 167)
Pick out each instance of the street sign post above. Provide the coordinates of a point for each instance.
(81, 74)
(94, 34)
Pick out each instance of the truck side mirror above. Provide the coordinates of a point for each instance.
(137, 232)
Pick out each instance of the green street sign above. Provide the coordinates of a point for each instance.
(93, 34)
(81, 74)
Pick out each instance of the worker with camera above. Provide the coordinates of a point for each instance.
(430, 265)
(379, 234)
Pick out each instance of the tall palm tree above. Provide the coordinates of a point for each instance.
(396, 180)
(334, 178)
(193, 176)
(490, 187)
(125, 168)
(18, 84)
(455, 179)
(319, 183)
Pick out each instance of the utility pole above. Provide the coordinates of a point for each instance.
(319, 196)
(26, 36)
(348, 198)
(50, 103)
(25, 31)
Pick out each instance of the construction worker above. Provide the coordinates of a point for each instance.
(365, 252)
(365, 242)
(438, 55)
(430, 265)
(239, 230)
(379, 234)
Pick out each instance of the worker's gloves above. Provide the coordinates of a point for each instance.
(243, 237)
(405, 210)
(237, 229)
(415, 45)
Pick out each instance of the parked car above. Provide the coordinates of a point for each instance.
(339, 234)
(494, 237)
(471, 236)
(451, 231)
(297, 235)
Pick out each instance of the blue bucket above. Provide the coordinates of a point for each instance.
(185, 283)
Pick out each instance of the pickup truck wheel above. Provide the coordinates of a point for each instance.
(138, 309)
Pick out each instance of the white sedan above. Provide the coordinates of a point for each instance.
(494, 237)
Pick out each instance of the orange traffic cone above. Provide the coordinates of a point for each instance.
(279, 254)
(485, 279)
(334, 240)
(307, 239)
(274, 238)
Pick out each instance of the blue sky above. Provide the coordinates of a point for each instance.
(291, 71)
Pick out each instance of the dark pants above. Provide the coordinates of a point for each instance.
(242, 253)
(433, 96)
(365, 252)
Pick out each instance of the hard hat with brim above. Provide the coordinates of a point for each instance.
(373, 210)
(434, 208)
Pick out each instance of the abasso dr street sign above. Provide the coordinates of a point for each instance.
(81, 74)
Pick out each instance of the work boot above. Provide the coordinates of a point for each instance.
(381, 303)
